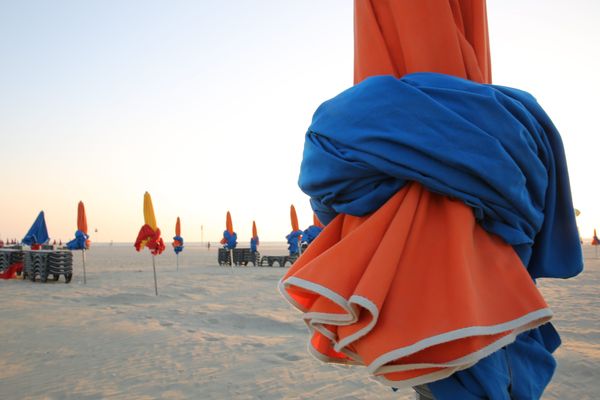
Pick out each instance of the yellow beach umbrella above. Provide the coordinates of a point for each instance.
(149, 217)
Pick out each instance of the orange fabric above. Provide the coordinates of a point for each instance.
(228, 224)
(387, 285)
(254, 230)
(316, 221)
(294, 219)
(81, 218)
(178, 227)
(399, 37)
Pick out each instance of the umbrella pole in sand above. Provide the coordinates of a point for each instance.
(83, 260)
(177, 255)
(154, 269)
(231, 257)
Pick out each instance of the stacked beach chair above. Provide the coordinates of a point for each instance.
(281, 260)
(44, 263)
(10, 256)
(60, 263)
(241, 256)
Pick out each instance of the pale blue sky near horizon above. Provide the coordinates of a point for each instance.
(205, 105)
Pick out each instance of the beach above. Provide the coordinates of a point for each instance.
(215, 332)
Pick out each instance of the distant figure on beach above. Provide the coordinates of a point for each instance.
(208, 245)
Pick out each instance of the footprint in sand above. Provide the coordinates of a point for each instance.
(166, 324)
(288, 357)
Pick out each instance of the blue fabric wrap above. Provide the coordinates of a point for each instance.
(492, 147)
(178, 249)
(253, 244)
(231, 239)
(311, 234)
(293, 241)
(79, 242)
(38, 233)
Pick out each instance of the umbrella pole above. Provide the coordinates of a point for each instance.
(596, 247)
(177, 255)
(154, 269)
(299, 247)
(231, 257)
(83, 258)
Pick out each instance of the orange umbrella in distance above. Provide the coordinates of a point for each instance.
(81, 218)
(229, 223)
(254, 241)
(82, 226)
(294, 218)
(229, 240)
(177, 241)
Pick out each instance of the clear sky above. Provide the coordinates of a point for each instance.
(205, 105)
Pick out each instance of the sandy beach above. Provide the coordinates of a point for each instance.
(215, 333)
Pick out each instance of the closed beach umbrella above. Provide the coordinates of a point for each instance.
(229, 240)
(149, 235)
(295, 235)
(38, 233)
(430, 148)
(81, 241)
(177, 241)
(254, 241)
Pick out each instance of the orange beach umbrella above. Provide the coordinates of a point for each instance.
(81, 218)
(405, 36)
(178, 227)
(294, 218)
(229, 223)
(254, 231)
(369, 287)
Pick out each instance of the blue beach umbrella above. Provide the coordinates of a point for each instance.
(38, 233)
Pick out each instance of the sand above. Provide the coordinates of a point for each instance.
(215, 333)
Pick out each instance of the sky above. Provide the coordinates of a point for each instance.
(205, 105)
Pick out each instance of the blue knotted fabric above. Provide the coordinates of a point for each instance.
(79, 243)
(38, 233)
(230, 240)
(253, 244)
(311, 234)
(490, 146)
(493, 147)
(293, 240)
(177, 244)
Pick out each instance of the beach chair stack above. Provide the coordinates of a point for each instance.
(9, 257)
(241, 256)
(35, 265)
(44, 263)
(60, 263)
(224, 257)
(4, 261)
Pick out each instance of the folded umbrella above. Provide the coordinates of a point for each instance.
(229, 240)
(295, 236)
(491, 149)
(254, 240)
(38, 233)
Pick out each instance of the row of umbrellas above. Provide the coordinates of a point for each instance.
(149, 235)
